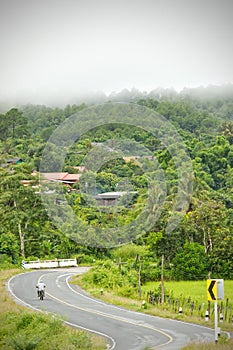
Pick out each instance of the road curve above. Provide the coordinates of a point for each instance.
(123, 329)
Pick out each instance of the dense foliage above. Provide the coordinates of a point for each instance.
(200, 244)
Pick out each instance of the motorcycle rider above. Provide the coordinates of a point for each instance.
(40, 287)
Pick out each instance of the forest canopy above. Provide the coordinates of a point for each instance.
(202, 241)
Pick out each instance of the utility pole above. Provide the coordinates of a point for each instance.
(139, 279)
(162, 280)
(139, 276)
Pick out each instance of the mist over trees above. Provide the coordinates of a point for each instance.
(203, 240)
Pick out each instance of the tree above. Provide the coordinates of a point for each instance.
(20, 208)
(17, 124)
(221, 256)
(3, 127)
(227, 131)
(9, 245)
(205, 222)
(190, 263)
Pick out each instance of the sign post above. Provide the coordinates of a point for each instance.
(215, 292)
(216, 330)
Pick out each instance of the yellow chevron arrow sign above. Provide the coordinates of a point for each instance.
(212, 293)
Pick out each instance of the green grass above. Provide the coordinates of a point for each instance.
(192, 297)
(196, 290)
(225, 345)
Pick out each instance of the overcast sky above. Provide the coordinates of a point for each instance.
(57, 49)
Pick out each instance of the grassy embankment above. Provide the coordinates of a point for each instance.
(22, 328)
(182, 290)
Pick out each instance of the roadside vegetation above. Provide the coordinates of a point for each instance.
(108, 282)
(223, 344)
(183, 300)
(23, 329)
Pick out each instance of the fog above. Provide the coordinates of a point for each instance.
(61, 51)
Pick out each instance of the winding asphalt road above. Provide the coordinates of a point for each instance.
(123, 329)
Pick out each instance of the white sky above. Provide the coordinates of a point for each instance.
(57, 49)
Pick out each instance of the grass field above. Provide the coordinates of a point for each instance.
(196, 290)
(191, 296)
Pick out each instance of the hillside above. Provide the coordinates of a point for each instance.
(129, 162)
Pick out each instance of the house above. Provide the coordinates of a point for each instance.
(26, 182)
(110, 198)
(71, 179)
(64, 177)
(14, 161)
(11, 161)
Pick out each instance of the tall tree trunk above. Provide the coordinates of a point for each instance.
(162, 280)
(21, 237)
(205, 241)
(210, 240)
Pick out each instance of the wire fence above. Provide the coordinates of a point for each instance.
(191, 307)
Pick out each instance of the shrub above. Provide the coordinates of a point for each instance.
(28, 331)
(127, 291)
(24, 341)
(108, 276)
(6, 262)
(191, 263)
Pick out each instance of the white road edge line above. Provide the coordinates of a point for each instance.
(100, 302)
(109, 347)
(120, 318)
(89, 297)
(117, 307)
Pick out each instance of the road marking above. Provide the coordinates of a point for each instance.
(13, 294)
(96, 332)
(75, 272)
(109, 347)
(117, 318)
(130, 311)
